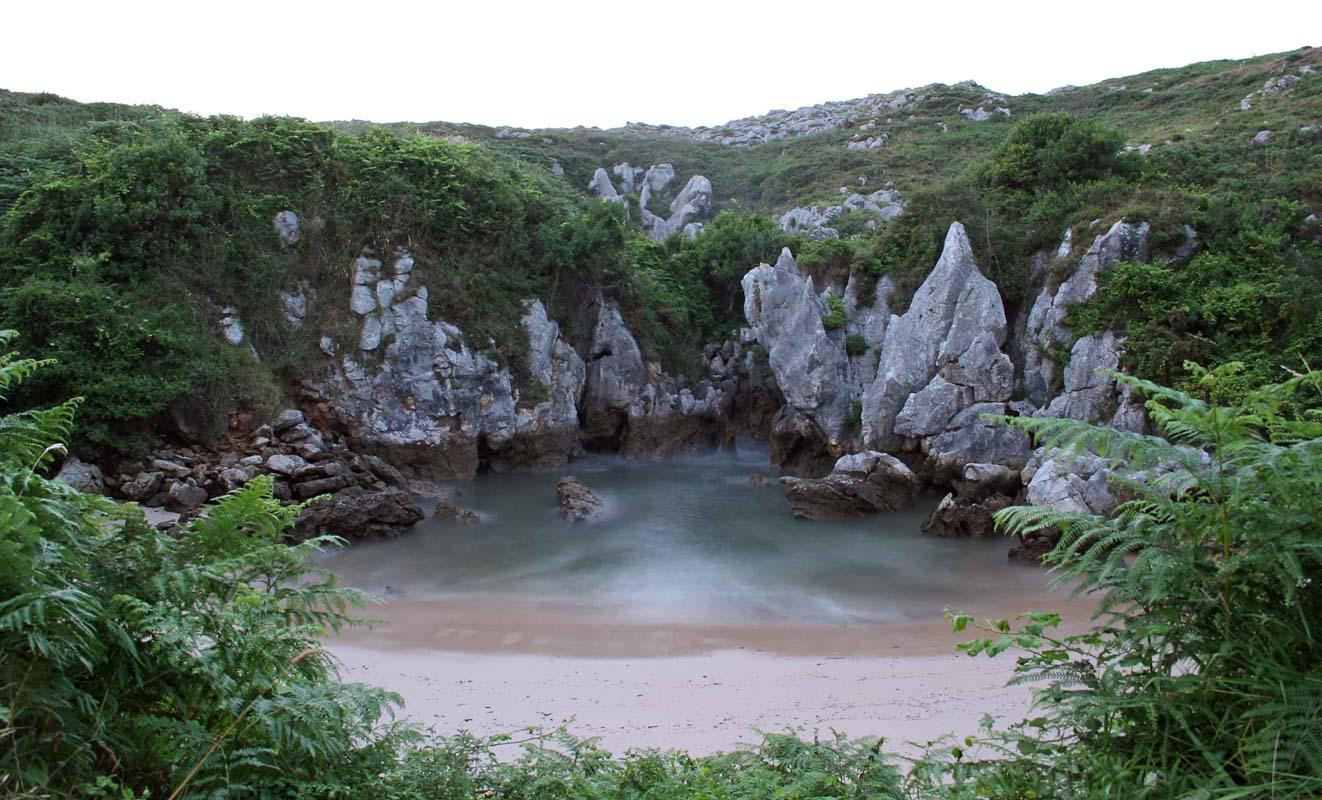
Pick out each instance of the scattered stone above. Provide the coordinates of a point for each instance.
(1263, 137)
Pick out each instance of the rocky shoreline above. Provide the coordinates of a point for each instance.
(855, 429)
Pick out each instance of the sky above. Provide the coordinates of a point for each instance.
(560, 64)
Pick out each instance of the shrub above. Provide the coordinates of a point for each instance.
(835, 316)
(855, 345)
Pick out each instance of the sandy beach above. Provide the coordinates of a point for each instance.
(703, 688)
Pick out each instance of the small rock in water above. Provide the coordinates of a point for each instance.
(757, 479)
(578, 503)
(446, 509)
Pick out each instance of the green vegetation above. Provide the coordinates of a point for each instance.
(139, 664)
(1203, 676)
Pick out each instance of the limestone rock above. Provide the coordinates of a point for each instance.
(810, 365)
(954, 326)
(601, 184)
(1045, 331)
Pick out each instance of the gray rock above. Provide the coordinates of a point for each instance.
(287, 227)
(230, 325)
(601, 184)
(285, 464)
(359, 514)
(286, 420)
(1263, 137)
(183, 498)
(810, 365)
(171, 468)
(1045, 331)
(82, 476)
(953, 309)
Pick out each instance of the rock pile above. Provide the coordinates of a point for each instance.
(365, 498)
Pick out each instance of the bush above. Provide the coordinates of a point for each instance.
(835, 316)
(855, 345)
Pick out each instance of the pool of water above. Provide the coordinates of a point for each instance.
(683, 541)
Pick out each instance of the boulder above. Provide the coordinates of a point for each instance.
(82, 476)
(860, 483)
(446, 509)
(143, 486)
(577, 502)
(360, 514)
(184, 498)
(955, 517)
(286, 420)
(283, 464)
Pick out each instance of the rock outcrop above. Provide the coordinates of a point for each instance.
(861, 483)
(693, 202)
(577, 502)
(414, 391)
(981, 491)
(1045, 332)
(811, 367)
(634, 407)
(942, 369)
(817, 222)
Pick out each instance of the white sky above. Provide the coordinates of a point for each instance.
(550, 64)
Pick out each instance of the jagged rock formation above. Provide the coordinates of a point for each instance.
(861, 483)
(821, 118)
(943, 374)
(810, 365)
(634, 407)
(693, 202)
(414, 392)
(1045, 333)
(942, 369)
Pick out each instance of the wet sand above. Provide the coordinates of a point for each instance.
(703, 688)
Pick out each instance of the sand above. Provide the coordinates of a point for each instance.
(499, 669)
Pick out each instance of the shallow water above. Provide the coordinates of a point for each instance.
(682, 542)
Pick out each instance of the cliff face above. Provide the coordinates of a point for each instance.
(413, 390)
